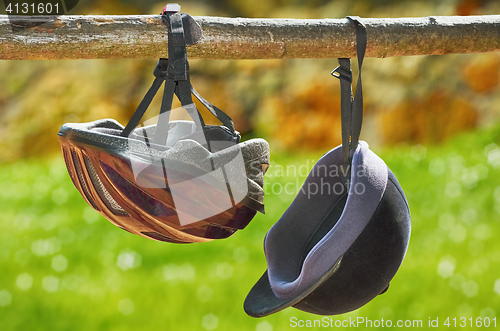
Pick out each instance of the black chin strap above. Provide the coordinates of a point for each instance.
(175, 73)
(351, 108)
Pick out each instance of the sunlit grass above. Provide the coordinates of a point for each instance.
(64, 267)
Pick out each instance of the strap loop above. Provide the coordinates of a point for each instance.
(351, 108)
(175, 72)
(178, 68)
(342, 73)
(345, 106)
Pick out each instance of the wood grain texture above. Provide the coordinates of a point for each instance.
(104, 37)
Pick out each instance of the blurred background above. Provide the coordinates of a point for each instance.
(435, 120)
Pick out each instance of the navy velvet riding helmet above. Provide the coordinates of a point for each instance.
(345, 235)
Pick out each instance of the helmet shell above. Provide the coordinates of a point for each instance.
(334, 250)
(104, 168)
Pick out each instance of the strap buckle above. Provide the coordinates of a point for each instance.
(161, 68)
(342, 73)
(171, 8)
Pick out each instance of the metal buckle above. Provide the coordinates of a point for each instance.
(171, 8)
(341, 73)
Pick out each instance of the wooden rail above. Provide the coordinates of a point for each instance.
(104, 37)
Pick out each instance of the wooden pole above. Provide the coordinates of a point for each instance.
(105, 37)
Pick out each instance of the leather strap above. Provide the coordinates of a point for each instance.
(141, 109)
(345, 77)
(175, 72)
(351, 108)
(177, 76)
(221, 116)
(357, 106)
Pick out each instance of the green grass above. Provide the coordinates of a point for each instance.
(64, 267)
